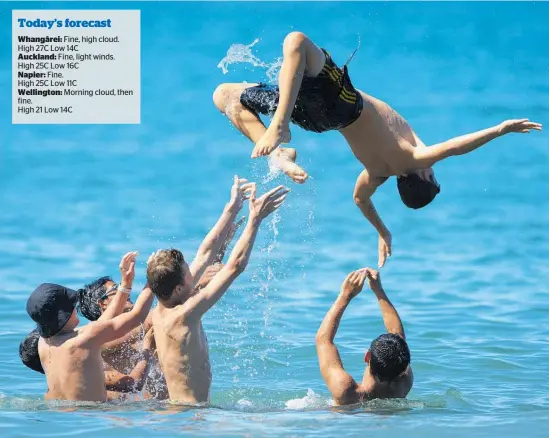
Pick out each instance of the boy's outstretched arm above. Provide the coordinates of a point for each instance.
(427, 157)
(130, 337)
(232, 231)
(214, 240)
(260, 208)
(340, 383)
(365, 187)
(106, 330)
(391, 319)
(127, 272)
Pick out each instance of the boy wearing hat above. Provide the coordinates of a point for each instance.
(70, 357)
(118, 385)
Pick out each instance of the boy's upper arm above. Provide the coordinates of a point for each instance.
(340, 383)
(202, 301)
(99, 333)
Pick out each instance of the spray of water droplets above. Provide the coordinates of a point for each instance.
(242, 53)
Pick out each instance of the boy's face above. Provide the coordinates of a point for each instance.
(73, 321)
(111, 289)
(187, 288)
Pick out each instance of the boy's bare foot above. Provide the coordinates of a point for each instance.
(284, 159)
(275, 135)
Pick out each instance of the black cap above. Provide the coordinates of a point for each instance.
(415, 192)
(51, 307)
(28, 351)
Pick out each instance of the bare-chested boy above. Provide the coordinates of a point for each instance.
(317, 95)
(71, 358)
(388, 374)
(128, 363)
(181, 343)
(119, 385)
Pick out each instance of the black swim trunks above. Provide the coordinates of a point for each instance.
(324, 103)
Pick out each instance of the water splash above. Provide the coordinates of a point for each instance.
(311, 401)
(240, 53)
(274, 69)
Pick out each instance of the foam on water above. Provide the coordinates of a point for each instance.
(311, 401)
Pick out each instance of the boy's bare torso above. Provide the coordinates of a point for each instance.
(78, 372)
(183, 355)
(381, 139)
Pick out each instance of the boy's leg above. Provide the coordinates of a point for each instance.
(227, 99)
(301, 56)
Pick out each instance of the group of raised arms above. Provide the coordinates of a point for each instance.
(128, 349)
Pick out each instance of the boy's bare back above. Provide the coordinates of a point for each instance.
(183, 355)
(71, 358)
(76, 371)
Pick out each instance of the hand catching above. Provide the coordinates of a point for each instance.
(127, 268)
(269, 202)
(354, 283)
(374, 279)
(240, 191)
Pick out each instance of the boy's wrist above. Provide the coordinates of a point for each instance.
(125, 287)
(380, 293)
(254, 219)
(345, 296)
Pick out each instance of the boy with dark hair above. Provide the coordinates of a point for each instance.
(388, 374)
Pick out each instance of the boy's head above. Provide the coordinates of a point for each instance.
(388, 357)
(53, 308)
(169, 276)
(28, 351)
(416, 192)
(96, 296)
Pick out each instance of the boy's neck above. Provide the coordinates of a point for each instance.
(175, 300)
(65, 331)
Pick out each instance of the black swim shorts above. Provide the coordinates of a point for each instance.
(324, 103)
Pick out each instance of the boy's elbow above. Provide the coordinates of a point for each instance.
(238, 266)
(321, 338)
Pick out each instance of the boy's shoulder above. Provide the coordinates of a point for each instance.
(168, 320)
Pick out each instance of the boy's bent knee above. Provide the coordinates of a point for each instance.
(358, 200)
(222, 96)
(294, 40)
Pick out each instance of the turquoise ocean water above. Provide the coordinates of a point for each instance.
(469, 274)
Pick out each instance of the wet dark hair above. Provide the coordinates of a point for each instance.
(416, 192)
(28, 352)
(165, 272)
(389, 357)
(89, 296)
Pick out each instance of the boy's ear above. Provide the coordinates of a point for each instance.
(367, 356)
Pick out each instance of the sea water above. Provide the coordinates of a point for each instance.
(469, 274)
